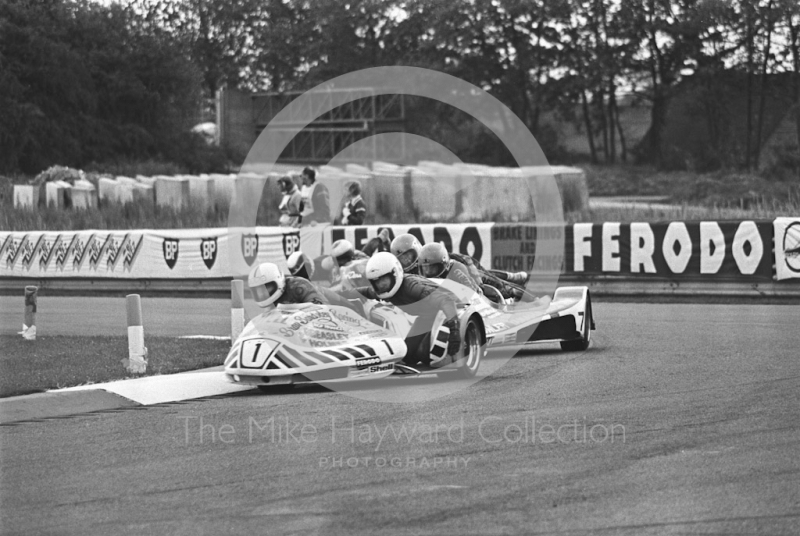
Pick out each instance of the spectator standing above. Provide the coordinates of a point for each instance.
(291, 206)
(315, 198)
(355, 210)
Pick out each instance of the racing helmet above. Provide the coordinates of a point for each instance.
(434, 261)
(300, 265)
(406, 248)
(343, 250)
(267, 283)
(385, 274)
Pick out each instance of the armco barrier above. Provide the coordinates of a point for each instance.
(601, 286)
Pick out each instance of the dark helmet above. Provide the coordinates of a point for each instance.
(434, 261)
(406, 248)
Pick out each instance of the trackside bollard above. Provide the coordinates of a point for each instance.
(137, 352)
(237, 309)
(29, 320)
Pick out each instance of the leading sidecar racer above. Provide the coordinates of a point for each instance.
(418, 297)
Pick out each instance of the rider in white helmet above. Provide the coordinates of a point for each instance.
(270, 288)
(416, 296)
(267, 283)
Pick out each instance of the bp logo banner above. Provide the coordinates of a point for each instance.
(291, 243)
(787, 248)
(170, 248)
(249, 248)
(208, 251)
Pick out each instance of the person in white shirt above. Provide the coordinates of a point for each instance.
(315, 199)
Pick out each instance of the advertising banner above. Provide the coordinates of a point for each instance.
(473, 239)
(725, 250)
(709, 249)
(145, 254)
(787, 248)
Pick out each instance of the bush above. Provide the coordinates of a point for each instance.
(58, 173)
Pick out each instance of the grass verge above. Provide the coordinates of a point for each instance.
(52, 362)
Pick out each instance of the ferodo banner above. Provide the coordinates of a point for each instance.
(787, 248)
(470, 239)
(146, 254)
(709, 249)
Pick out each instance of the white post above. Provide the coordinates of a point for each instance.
(29, 322)
(237, 309)
(137, 352)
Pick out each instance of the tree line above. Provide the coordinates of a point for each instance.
(122, 79)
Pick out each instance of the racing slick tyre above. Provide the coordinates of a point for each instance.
(474, 350)
(581, 344)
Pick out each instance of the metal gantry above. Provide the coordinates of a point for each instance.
(363, 113)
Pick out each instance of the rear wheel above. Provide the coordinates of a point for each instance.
(474, 350)
(581, 344)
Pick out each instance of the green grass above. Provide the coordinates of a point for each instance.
(52, 362)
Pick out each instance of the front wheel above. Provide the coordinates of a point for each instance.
(581, 344)
(474, 350)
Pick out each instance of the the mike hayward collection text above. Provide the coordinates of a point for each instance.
(490, 429)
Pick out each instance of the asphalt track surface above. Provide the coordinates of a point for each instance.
(680, 419)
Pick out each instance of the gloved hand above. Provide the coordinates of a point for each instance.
(454, 340)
